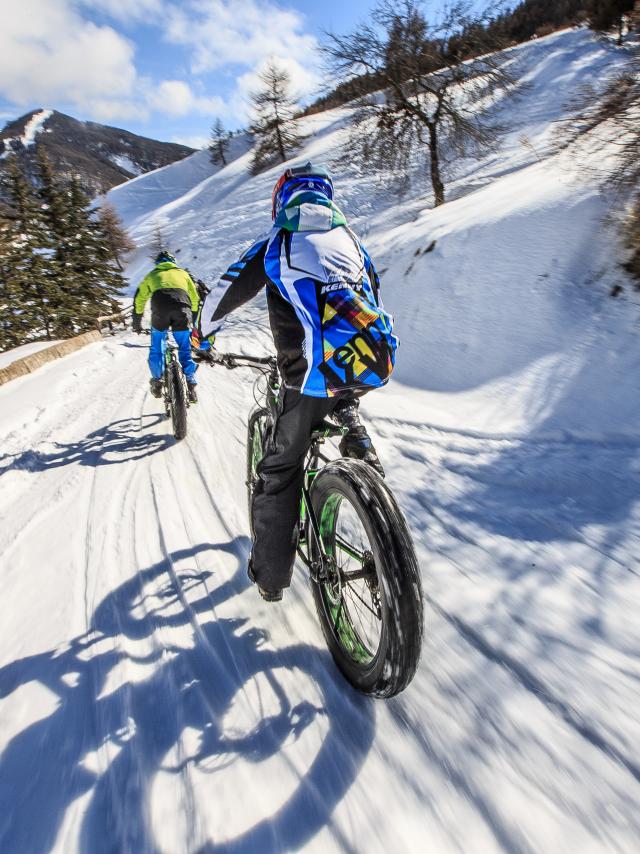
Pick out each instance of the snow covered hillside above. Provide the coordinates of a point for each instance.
(150, 701)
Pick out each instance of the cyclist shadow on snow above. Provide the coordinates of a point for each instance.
(109, 735)
(118, 442)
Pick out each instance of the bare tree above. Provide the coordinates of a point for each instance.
(115, 235)
(159, 243)
(273, 126)
(434, 78)
(605, 14)
(218, 144)
(607, 123)
(609, 120)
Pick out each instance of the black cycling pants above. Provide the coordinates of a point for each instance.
(171, 309)
(276, 500)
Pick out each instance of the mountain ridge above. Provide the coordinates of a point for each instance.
(102, 156)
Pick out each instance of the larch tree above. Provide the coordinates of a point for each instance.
(158, 243)
(116, 237)
(604, 130)
(273, 125)
(218, 144)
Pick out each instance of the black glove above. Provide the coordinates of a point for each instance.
(136, 322)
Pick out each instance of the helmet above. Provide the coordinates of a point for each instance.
(297, 179)
(163, 255)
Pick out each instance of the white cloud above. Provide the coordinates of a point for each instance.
(126, 10)
(49, 53)
(176, 98)
(245, 32)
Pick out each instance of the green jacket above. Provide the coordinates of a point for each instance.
(165, 275)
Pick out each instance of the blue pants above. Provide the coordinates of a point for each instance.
(159, 347)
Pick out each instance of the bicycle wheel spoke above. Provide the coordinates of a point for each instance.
(356, 622)
(346, 546)
(362, 623)
(366, 605)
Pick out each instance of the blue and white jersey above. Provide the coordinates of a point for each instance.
(330, 329)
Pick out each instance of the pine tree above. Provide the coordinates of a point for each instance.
(31, 297)
(59, 260)
(219, 144)
(273, 125)
(64, 236)
(85, 264)
(93, 280)
(13, 328)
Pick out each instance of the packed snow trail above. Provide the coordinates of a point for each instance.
(152, 702)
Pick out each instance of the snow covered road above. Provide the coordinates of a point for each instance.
(150, 701)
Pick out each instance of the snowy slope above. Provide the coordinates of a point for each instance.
(150, 701)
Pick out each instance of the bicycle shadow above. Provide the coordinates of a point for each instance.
(120, 441)
(111, 731)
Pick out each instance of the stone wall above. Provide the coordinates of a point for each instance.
(36, 360)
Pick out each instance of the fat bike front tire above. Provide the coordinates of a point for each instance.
(179, 404)
(369, 597)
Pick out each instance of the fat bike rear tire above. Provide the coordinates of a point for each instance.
(373, 624)
(178, 398)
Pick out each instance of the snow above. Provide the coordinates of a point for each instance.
(126, 163)
(23, 350)
(34, 126)
(150, 701)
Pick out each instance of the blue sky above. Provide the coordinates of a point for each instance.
(161, 68)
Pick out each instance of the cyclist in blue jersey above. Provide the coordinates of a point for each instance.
(334, 342)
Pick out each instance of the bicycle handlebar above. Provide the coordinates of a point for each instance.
(239, 360)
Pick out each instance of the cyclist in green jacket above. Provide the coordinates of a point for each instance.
(174, 305)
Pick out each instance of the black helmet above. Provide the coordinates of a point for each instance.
(163, 256)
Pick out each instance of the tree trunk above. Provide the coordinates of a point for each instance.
(44, 316)
(283, 155)
(436, 180)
